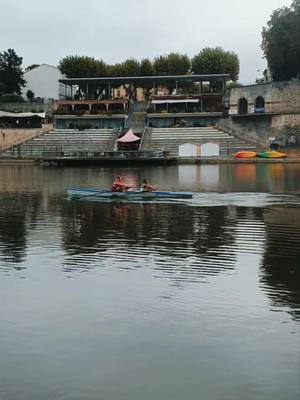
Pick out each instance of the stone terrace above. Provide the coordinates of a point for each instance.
(157, 139)
(66, 143)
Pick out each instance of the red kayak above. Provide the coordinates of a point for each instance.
(245, 154)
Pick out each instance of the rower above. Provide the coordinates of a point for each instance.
(119, 185)
(146, 187)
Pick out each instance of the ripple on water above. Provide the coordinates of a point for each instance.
(207, 289)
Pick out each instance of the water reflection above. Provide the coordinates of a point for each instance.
(280, 272)
(205, 176)
(19, 214)
(273, 178)
(13, 234)
(180, 242)
(172, 237)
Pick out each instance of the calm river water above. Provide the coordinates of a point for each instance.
(182, 300)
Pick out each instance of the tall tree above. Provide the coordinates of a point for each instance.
(131, 67)
(11, 73)
(116, 69)
(82, 67)
(216, 61)
(146, 67)
(281, 42)
(147, 70)
(172, 64)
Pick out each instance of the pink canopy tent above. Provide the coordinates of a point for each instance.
(129, 137)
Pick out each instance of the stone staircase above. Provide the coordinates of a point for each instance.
(168, 139)
(65, 143)
(136, 120)
(137, 117)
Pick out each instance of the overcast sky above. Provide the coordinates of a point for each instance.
(46, 31)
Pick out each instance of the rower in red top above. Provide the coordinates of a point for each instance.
(146, 187)
(119, 185)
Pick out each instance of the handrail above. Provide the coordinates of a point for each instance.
(143, 138)
(116, 135)
(61, 154)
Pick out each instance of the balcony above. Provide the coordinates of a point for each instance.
(205, 103)
(91, 107)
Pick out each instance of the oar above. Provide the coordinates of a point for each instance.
(90, 195)
(101, 193)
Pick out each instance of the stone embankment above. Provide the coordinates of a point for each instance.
(260, 111)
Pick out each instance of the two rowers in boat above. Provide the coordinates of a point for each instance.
(120, 186)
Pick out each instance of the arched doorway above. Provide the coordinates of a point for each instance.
(259, 104)
(243, 106)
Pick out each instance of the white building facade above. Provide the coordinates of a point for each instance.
(43, 82)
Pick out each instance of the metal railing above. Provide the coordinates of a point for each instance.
(60, 153)
(143, 138)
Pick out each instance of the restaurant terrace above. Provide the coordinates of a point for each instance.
(107, 102)
(104, 87)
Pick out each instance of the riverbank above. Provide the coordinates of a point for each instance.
(232, 160)
(153, 161)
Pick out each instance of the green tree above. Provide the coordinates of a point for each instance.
(281, 42)
(178, 64)
(172, 64)
(82, 67)
(216, 61)
(116, 69)
(146, 70)
(11, 74)
(11, 98)
(160, 65)
(131, 67)
(146, 67)
(30, 95)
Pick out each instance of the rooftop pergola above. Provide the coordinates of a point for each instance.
(158, 79)
(155, 80)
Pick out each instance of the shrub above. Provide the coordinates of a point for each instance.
(11, 98)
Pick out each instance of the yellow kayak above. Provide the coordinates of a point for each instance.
(272, 154)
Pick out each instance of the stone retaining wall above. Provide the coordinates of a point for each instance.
(280, 117)
(12, 137)
(279, 97)
(259, 128)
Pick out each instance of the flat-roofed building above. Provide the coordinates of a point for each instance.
(43, 81)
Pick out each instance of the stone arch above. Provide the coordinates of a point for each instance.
(259, 104)
(243, 106)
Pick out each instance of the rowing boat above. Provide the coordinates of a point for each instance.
(81, 193)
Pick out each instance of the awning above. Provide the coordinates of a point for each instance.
(129, 137)
(21, 115)
(175, 101)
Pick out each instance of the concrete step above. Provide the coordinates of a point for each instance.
(71, 140)
(169, 139)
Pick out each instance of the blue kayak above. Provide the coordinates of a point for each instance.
(81, 193)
